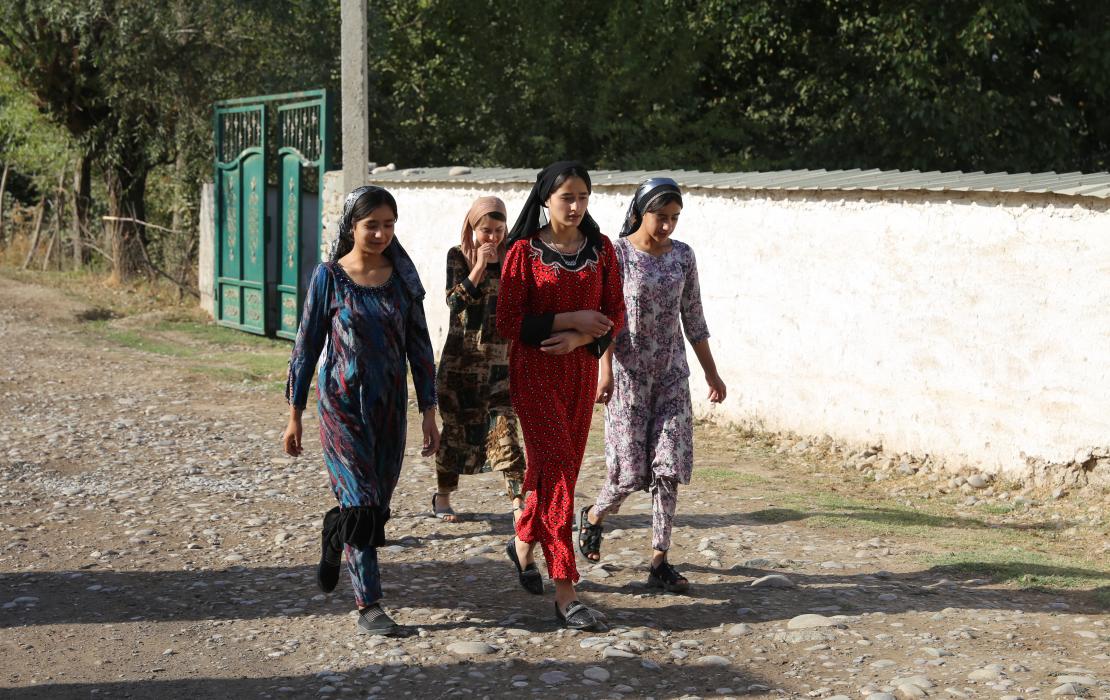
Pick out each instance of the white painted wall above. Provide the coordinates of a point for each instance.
(974, 328)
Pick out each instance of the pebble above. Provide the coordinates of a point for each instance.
(988, 673)
(1077, 680)
(554, 677)
(471, 649)
(909, 691)
(1067, 689)
(596, 673)
(810, 621)
(712, 660)
(740, 630)
(773, 581)
(616, 653)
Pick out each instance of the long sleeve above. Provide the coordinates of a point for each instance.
(516, 278)
(311, 336)
(693, 315)
(418, 347)
(612, 298)
(461, 292)
(612, 291)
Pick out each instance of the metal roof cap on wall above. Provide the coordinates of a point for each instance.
(1072, 184)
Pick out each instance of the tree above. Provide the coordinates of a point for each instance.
(132, 81)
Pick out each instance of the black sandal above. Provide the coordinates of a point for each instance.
(579, 617)
(589, 535)
(443, 514)
(667, 577)
(530, 578)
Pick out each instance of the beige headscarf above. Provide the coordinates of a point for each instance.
(480, 207)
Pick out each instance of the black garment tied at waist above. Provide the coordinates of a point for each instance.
(358, 526)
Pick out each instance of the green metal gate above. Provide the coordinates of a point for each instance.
(268, 222)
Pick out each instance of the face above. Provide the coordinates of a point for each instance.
(659, 225)
(567, 205)
(489, 231)
(375, 232)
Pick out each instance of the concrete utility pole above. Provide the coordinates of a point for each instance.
(355, 60)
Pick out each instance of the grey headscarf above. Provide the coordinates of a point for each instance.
(345, 241)
(646, 193)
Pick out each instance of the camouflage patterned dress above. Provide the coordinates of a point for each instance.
(479, 426)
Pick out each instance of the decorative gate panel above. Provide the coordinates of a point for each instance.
(267, 212)
(240, 184)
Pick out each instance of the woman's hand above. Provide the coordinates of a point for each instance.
(431, 433)
(291, 438)
(487, 253)
(563, 342)
(717, 389)
(593, 323)
(604, 387)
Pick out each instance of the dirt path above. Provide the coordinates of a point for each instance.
(156, 543)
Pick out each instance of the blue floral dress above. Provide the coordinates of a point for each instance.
(372, 335)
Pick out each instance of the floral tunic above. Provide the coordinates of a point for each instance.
(649, 422)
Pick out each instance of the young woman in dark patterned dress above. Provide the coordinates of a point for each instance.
(479, 425)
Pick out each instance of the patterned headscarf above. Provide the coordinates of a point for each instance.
(532, 217)
(646, 193)
(344, 241)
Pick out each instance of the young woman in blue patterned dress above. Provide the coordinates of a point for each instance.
(364, 310)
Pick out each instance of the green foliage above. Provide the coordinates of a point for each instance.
(744, 84)
(131, 83)
(631, 84)
(30, 143)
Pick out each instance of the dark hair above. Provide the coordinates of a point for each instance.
(574, 171)
(497, 216)
(663, 200)
(371, 200)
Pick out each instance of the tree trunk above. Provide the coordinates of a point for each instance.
(80, 222)
(49, 250)
(3, 188)
(35, 235)
(59, 211)
(126, 192)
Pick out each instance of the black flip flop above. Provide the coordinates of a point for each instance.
(530, 578)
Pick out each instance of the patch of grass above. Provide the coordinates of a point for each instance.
(774, 516)
(728, 476)
(1025, 568)
(210, 333)
(140, 341)
(996, 508)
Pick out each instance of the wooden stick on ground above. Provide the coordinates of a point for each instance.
(146, 257)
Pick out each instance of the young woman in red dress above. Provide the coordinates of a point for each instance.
(560, 305)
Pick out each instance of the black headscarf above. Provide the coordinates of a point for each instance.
(646, 193)
(345, 240)
(532, 217)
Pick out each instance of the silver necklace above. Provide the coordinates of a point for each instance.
(568, 265)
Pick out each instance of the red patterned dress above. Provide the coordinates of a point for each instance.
(553, 395)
